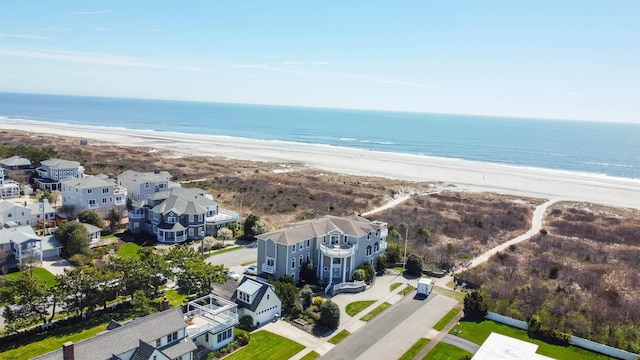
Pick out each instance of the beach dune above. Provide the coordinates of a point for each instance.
(467, 175)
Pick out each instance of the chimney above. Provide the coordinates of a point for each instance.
(165, 304)
(67, 351)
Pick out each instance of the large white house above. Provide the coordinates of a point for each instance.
(335, 245)
(52, 171)
(167, 335)
(8, 188)
(93, 193)
(177, 215)
(139, 185)
(12, 214)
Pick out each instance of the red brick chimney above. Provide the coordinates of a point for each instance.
(165, 304)
(67, 351)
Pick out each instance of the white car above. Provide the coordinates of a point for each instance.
(232, 274)
(251, 270)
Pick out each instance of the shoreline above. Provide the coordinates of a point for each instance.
(467, 175)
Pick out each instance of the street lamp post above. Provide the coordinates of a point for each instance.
(404, 259)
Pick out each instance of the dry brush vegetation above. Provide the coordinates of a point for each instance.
(581, 277)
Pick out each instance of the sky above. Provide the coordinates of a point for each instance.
(570, 59)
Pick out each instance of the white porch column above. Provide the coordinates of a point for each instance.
(343, 262)
(321, 266)
(331, 270)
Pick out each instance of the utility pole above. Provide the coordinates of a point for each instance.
(404, 259)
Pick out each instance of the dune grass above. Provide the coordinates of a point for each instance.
(355, 307)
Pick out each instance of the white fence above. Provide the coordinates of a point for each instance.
(583, 343)
(507, 320)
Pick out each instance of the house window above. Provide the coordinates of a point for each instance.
(206, 337)
(300, 261)
(270, 261)
(171, 220)
(344, 240)
(308, 257)
(89, 191)
(110, 199)
(92, 203)
(378, 233)
(376, 247)
(146, 185)
(293, 248)
(300, 246)
(369, 250)
(324, 239)
(335, 239)
(104, 200)
(172, 337)
(105, 190)
(158, 342)
(190, 231)
(308, 242)
(369, 236)
(293, 263)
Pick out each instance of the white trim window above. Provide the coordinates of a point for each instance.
(293, 248)
(376, 247)
(300, 245)
(293, 263)
(300, 261)
(369, 236)
(105, 190)
(271, 261)
(308, 242)
(368, 250)
(171, 220)
(89, 191)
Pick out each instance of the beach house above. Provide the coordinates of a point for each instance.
(139, 185)
(8, 188)
(21, 243)
(335, 245)
(52, 171)
(257, 300)
(177, 215)
(12, 215)
(16, 163)
(209, 323)
(94, 193)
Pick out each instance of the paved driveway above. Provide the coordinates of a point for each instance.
(56, 266)
(234, 259)
(394, 331)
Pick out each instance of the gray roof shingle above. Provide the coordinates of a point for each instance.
(354, 226)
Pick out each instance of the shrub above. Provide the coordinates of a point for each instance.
(225, 234)
(296, 311)
(415, 264)
(381, 263)
(358, 275)
(80, 259)
(318, 301)
(330, 314)
(246, 323)
(243, 338)
(475, 308)
(306, 294)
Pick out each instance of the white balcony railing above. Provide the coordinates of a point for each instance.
(270, 269)
(337, 250)
(136, 216)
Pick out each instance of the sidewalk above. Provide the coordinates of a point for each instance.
(438, 337)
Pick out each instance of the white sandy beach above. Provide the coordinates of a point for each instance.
(474, 176)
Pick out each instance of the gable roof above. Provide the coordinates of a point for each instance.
(132, 177)
(88, 182)
(253, 287)
(60, 164)
(18, 235)
(8, 205)
(15, 161)
(181, 201)
(36, 209)
(127, 336)
(353, 225)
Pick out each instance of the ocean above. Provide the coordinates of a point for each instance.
(593, 147)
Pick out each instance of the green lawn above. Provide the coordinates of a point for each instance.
(394, 286)
(43, 275)
(415, 349)
(248, 263)
(129, 250)
(310, 356)
(446, 319)
(175, 298)
(49, 341)
(444, 351)
(407, 289)
(339, 336)
(355, 307)
(267, 346)
(478, 332)
(375, 312)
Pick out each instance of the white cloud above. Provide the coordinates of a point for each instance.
(24, 36)
(100, 59)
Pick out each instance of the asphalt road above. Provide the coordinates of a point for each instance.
(394, 331)
(234, 259)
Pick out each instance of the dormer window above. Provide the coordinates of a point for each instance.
(244, 297)
(369, 236)
(345, 239)
(378, 233)
(335, 239)
(171, 220)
